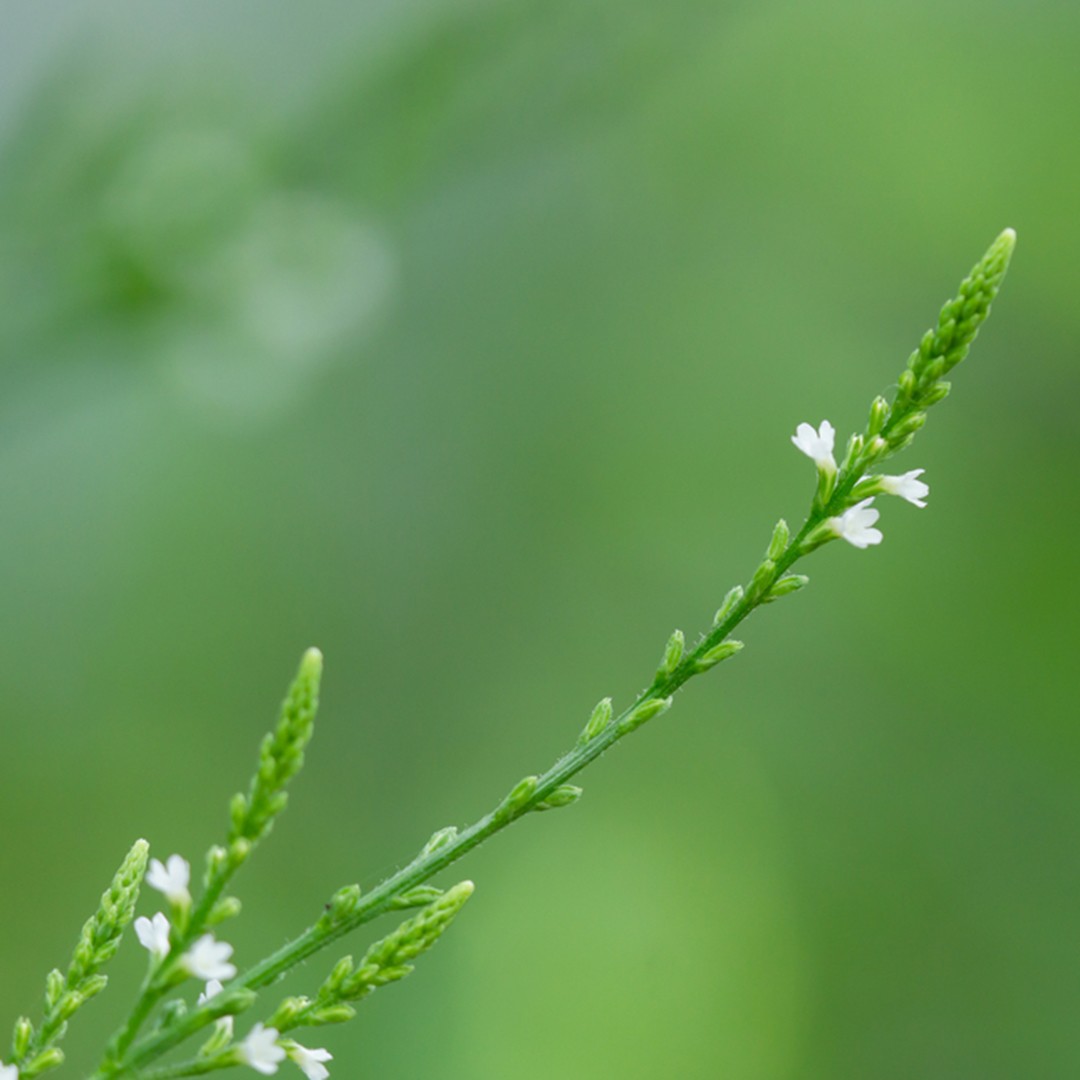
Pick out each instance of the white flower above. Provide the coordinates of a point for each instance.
(854, 524)
(213, 988)
(171, 879)
(907, 487)
(310, 1061)
(209, 959)
(153, 934)
(8, 1072)
(261, 1051)
(817, 444)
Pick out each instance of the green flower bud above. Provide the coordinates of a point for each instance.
(718, 653)
(879, 414)
(228, 907)
(672, 654)
(645, 712)
(48, 1059)
(779, 542)
(331, 1014)
(21, 1037)
(600, 718)
(562, 796)
(762, 579)
(440, 838)
(54, 988)
(732, 599)
(519, 796)
(416, 897)
(786, 585)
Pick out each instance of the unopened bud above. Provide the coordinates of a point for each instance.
(563, 795)
(601, 717)
(938, 392)
(416, 897)
(440, 838)
(672, 654)
(779, 542)
(879, 413)
(786, 585)
(645, 712)
(20, 1040)
(762, 579)
(728, 606)
(228, 907)
(718, 653)
(519, 796)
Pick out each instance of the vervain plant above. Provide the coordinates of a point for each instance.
(181, 940)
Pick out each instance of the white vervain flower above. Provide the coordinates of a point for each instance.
(310, 1061)
(817, 444)
(153, 935)
(223, 1023)
(209, 959)
(907, 487)
(8, 1072)
(261, 1051)
(854, 524)
(172, 879)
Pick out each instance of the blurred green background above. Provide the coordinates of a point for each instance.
(465, 341)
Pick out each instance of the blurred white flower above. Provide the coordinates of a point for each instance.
(153, 935)
(171, 878)
(817, 444)
(8, 1072)
(907, 487)
(261, 1051)
(855, 524)
(223, 1023)
(310, 1061)
(209, 959)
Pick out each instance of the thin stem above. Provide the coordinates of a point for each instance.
(425, 866)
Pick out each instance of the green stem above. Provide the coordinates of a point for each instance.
(425, 866)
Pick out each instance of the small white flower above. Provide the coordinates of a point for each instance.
(261, 1051)
(854, 524)
(8, 1072)
(907, 487)
(172, 879)
(310, 1061)
(817, 444)
(213, 988)
(209, 959)
(153, 934)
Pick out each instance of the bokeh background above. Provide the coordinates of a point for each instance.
(465, 341)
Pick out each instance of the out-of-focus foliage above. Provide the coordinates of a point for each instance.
(439, 335)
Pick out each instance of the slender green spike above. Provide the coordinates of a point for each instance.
(281, 755)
